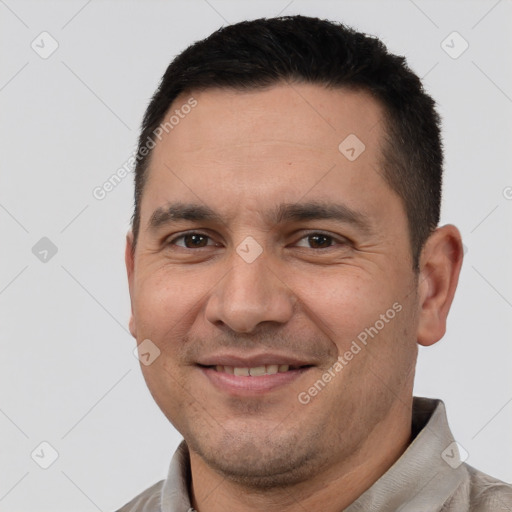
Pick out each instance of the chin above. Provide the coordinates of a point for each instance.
(257, 460)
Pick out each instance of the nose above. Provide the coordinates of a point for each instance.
(248, 295)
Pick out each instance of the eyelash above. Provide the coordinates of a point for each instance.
(333, 239)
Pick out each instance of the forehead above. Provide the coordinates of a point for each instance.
(272, 145)
(297, 114)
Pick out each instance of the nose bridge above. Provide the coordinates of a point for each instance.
(250, 293)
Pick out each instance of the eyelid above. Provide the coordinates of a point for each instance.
(339, 239)
(336, 238)
(169, 240)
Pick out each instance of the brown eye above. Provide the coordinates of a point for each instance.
(319, 241)
(191, 240)
(195, 240)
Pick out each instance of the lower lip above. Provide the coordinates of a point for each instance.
(237, 384)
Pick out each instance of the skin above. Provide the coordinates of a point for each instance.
(243, 153)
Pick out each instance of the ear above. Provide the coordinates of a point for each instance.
(440, 264)
(130, 265)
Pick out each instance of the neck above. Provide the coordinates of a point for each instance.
(330, 490)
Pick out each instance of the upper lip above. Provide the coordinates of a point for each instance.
(245, 361)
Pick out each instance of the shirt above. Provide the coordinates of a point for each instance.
(428, 477)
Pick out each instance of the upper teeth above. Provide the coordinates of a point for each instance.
(256, 371)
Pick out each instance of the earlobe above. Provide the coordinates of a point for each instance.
(441, 261)
(131, 326)
(129, 261)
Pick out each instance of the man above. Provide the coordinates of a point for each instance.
(284, 263)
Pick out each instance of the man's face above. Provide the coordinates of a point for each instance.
(254, 289)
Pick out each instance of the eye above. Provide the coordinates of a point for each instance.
(319, 241)
(198, 240)
(191, 240)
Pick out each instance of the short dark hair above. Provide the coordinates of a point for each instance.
(298, 49)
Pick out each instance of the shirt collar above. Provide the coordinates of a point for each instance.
(423, 478)
(426, 474)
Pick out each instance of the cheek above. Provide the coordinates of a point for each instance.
(346, 303)
(163, 301)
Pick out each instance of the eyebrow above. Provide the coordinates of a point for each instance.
(285, 212)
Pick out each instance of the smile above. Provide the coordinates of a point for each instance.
(255, 371)
(246, 381)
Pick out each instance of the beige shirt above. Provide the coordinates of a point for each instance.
(428, 477)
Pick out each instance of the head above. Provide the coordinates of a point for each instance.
(287, 196)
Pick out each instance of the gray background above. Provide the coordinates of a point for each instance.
(67, 372)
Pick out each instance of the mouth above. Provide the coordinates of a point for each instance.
(256, 371)
(247, 381)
